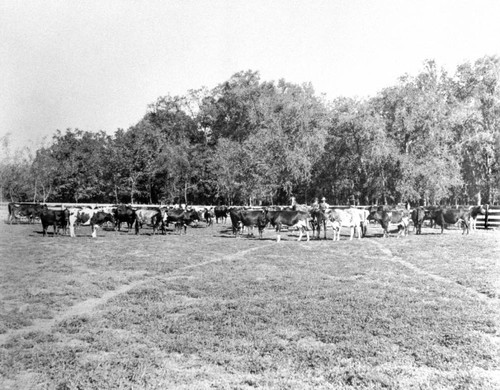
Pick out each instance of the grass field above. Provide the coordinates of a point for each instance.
(206, 310)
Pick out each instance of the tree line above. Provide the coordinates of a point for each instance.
(431, 138)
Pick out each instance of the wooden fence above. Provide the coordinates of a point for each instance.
(491, 220)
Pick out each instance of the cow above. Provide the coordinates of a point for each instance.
(124, 213)
(474, 211)
(152, 217)
(56, 218)
(241, 218)
(205, 214)
(350, 218)
(418, 216)
(89, 217)
(387, 217)
(450, 216)
(319, 220)
(24, 210)
(209, 216)
(428, 211)
(290, 218)
(181, 218)
(235, 216)
(221, 213)
(363, 218)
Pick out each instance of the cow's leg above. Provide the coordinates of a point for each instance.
(94, 231)
(465, 226)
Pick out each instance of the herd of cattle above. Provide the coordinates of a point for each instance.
(301, 217)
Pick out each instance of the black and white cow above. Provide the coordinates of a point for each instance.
(89, 217)
(474, 211)
(385, 217)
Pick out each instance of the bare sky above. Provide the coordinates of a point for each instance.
(96, 65)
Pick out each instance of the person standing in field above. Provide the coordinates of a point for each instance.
(323, 205)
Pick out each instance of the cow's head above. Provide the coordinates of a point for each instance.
(374, 215)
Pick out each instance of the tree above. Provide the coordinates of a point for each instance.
(477, 126)
(417, 114)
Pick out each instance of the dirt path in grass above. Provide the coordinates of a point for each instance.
(391, 257)
(89, 305)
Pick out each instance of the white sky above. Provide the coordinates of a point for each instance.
(96, 65)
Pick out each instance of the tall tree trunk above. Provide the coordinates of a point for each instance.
(36, 186)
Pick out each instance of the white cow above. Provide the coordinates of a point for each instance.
(350, 218)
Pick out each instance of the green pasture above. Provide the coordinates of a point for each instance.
(208, 311)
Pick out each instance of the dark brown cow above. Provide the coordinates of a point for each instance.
(181, 218)
(418, 216)
(241, 218)
(291, 218)
(24, 210)
(221, 213)
(56, 218)
(124, 213)
(450, 216)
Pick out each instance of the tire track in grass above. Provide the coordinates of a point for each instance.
(396, 259)
(87, 306)
(494, 374)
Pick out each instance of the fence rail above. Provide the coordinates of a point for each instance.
(490, 220)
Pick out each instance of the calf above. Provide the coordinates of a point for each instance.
(291, 218)
(56, 218)
(388, 217)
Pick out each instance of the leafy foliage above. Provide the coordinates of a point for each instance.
(430, 138)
